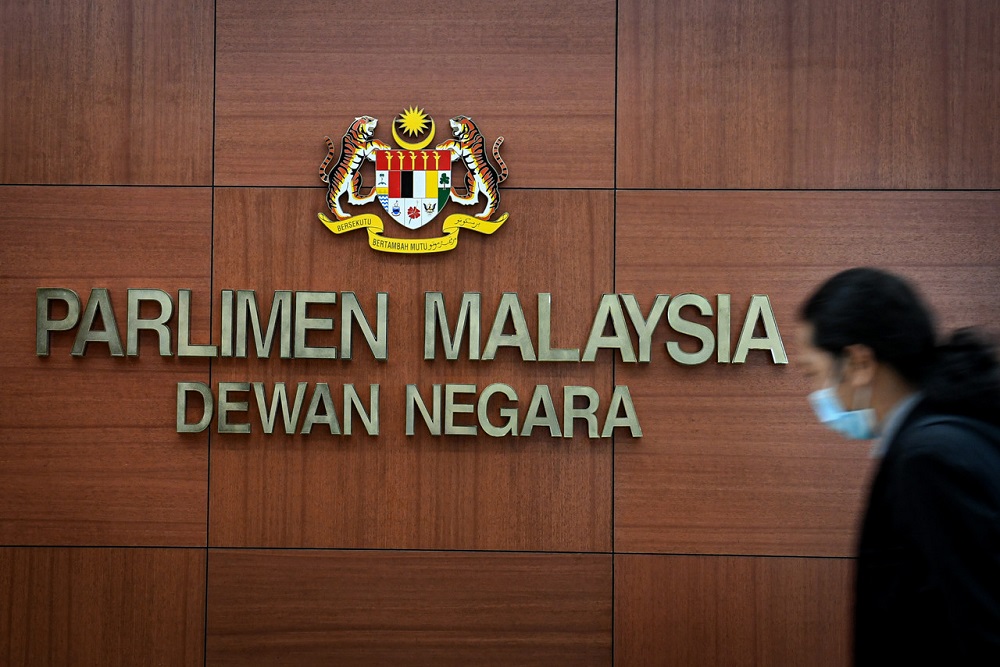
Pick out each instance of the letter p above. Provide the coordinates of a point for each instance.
(44, 296)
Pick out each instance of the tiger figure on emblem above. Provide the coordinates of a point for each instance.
(345, 176)
(469, 146)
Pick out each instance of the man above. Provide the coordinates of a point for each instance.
(928, 570)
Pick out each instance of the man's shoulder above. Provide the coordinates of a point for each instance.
(949, 439)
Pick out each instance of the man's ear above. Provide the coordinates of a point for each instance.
(860, 365)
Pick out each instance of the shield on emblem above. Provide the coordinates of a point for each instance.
(412, 186)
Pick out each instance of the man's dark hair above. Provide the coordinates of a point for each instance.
(884, 312)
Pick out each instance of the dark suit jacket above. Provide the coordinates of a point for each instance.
(928, 580)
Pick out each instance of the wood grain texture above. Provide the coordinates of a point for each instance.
(540, 74)
(780, 94)
(115, 92)
(421, 491)
(706, 610)
(70, 606)
(732, 460)
(88, 444)
(379, 608)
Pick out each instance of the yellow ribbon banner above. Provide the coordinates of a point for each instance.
(453, 224)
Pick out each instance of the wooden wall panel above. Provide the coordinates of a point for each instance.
(706, 610)
(88, 446)
(590, 96)
(733, 460)
(422, 491)
(541, 75)
(378, 608)
(111, 92)
(70, 606)
(780, 94)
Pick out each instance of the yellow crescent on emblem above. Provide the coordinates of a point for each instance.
(417, 146)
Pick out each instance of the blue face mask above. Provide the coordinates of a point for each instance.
(854, 424)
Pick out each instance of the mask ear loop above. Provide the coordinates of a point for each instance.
(839, 367)
(867, 391)
(838, 371)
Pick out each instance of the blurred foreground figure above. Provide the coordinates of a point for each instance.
(928, 579)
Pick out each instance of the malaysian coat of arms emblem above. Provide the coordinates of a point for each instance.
(412, 183)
